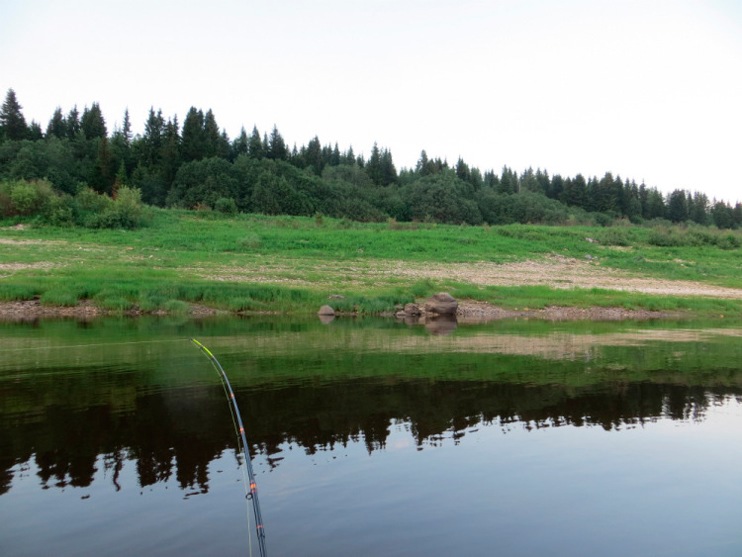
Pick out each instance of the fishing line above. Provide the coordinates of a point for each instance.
(251, 493)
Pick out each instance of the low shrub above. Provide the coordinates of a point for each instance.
(37, 198)
(664, 237)
(25, 198)
(614, 237)
(226, 205)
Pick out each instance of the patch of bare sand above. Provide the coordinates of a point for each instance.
(554, 272)
(16, 242)
(7, 269)
(563, 272)
(23, 266)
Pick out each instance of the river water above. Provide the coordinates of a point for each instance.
(371, 437)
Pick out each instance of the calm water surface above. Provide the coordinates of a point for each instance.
(372, 438)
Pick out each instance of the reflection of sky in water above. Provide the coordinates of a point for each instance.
(555, 491)
(387, 441)
(664, 487)
(161, 519)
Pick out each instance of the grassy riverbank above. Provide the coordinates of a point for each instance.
(293, 264)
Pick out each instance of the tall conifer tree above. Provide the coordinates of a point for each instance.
(92, 123)
(57, 125)
(12, 122)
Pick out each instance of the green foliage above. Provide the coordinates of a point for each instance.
(614, 237)
(87, 208)
(226, 205)
(524, 207)
(24, 198)
(12, 123)
(92, 123)
(203, 182)
(275, 195)
(61, 211)
(442, 197)
(198, 166)
(673, 236)
(256, 263)
(126, 211)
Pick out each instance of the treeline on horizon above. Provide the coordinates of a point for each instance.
(195, 165)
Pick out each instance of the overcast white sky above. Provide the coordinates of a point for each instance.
(649, 90)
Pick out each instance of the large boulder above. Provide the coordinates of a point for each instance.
(441, 304)
(326, 311)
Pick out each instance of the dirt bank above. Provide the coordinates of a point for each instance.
(478, 312)
(468, 312)
(33, 310)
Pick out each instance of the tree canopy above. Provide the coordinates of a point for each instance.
(196, 165)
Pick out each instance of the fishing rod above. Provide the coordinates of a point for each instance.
(252, 493)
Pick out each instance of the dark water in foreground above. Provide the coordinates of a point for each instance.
(372, 438)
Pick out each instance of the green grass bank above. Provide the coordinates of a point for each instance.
(254, 263)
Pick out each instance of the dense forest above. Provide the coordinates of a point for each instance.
(75, 160)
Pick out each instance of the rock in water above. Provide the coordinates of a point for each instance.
(326, 310)
(412, 310)
(443, 325)
(442, 304)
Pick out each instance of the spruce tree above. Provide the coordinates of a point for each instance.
(239, 145)
(73, 123)
(151, 142)
(192, 137)
(170, 152)
(312, 156)
(212, 139)
(92, 123)
(422, 166)
(34, 131)
(388, 171)
(373, 166)
(462, 170)
(335, 157)
(102, 176)
(121, 150)
(277, 146)
(126, 129)
(348, 157)
(57, 125)
(677, 206)
(255, 144)
(12, 122)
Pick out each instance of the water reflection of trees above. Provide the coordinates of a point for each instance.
(178, 433)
